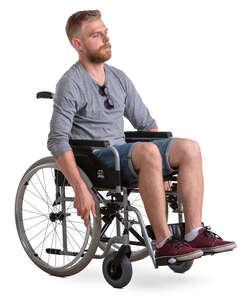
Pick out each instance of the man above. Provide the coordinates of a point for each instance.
(91, 99)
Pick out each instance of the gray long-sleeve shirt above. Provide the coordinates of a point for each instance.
(79, 111)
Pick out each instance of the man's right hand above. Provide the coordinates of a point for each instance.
(84, 203)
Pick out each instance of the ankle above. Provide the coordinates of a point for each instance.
(163, 242)
(190, 227)
(190, 236)
(160, 238)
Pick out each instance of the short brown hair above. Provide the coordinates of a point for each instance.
(75, 21)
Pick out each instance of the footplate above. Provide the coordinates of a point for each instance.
(212, 253)
(165, 261)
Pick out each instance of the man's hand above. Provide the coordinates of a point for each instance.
(166, 186)
(84, 203)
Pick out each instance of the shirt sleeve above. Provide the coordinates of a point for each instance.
(136, 111)
(64, 110)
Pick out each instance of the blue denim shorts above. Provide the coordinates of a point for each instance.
(128, 172)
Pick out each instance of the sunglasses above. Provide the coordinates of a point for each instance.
(103, 91)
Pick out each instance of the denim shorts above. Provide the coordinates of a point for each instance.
(128, 172)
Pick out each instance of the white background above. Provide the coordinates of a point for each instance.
(187, 61)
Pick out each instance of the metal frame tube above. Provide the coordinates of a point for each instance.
(146, 237)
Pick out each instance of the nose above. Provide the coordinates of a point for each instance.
(106, 38)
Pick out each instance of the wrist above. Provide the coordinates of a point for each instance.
(79, 186)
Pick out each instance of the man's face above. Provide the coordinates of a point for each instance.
(95, 41)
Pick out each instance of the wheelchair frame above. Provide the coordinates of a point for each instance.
(117, 268)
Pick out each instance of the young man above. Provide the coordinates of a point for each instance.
(91, 99)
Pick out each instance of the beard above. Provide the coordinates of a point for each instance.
(101, 55)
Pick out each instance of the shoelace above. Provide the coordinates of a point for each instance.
(177, 243)
(208, 233)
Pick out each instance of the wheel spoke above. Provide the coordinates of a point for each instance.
(44, 188)
(49, 209)
(34, 217)
(75, 228)
(35, 208)
(73, 239)
(33, 212)
(41, 197)
(44, 239)
(72, 248)
(35, 225)
(38, 233)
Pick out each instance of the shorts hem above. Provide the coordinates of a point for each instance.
(168, 167)
(130, 165)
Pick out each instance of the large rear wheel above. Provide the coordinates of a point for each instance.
(52, 234)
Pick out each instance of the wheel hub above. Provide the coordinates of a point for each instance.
(56, 216)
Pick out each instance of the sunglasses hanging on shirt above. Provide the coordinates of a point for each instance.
(103, 91)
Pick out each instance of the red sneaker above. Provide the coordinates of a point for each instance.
(177, 249)
(210, 242)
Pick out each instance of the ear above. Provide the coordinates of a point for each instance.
(77, 44)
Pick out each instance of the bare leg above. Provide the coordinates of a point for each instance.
(186, 155)
(147, 160)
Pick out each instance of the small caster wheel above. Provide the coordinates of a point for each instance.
(119, 277)
(182, 266)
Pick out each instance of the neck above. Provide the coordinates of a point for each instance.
(96, 70)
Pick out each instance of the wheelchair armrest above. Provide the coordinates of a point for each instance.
(145, 136)
(85, 144)
(45, 94)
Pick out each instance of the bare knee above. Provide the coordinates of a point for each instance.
(146, 153)
(189, 149)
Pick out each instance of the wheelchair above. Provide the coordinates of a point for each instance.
(55, 237)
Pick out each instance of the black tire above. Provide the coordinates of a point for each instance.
(123, 274)
(181, 267)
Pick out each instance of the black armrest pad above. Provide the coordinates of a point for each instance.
(132, 136)
(45, 94)
(88, 143)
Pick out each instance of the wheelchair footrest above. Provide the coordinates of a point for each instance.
(177, 230)
(166, 261)
(212, 253)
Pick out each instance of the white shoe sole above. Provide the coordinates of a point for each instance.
(218, 249)
(183, 257)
